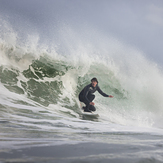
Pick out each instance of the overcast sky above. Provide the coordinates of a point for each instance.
(135, 22)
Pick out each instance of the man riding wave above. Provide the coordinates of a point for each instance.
(86, 95)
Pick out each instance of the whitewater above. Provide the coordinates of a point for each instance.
(40, 114)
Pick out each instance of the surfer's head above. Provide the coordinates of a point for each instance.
(94, 79)
(94, 82)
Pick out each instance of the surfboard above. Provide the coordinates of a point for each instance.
(90, 114)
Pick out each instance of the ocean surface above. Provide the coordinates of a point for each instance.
(40, 114)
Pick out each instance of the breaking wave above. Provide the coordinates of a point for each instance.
(32, 73)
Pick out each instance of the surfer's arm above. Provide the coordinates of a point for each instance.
(102, 93)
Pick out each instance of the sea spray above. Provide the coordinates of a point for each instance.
(55, 75)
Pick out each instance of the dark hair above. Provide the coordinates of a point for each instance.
(94, 79)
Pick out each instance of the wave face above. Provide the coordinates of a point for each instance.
(51, 73)
(51, 78)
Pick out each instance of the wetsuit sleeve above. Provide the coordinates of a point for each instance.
(101, 92)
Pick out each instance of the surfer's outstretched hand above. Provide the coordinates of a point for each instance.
(110, 96)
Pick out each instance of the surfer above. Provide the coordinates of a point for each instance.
(86, 95)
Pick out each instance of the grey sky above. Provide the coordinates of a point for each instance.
(135, 22)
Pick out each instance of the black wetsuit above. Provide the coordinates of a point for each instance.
(87, 96)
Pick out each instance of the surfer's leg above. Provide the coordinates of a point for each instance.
(86, 108)
(89, 107)
(92, 108)
(91, 97)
